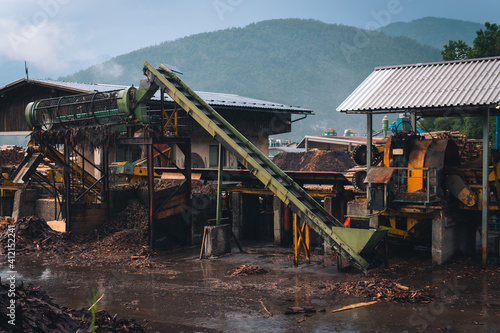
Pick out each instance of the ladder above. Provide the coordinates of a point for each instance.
(355, 245)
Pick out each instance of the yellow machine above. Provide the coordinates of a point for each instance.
(419, 176)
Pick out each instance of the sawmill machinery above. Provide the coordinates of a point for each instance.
(416, 176)
(127, 111)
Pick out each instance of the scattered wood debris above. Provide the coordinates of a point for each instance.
(298, 310)
(262, 303)
(5, 222)
(354, 306)
(385, 290)
(246, 270)
(35, 311)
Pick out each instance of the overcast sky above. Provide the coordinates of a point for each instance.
(59, 37)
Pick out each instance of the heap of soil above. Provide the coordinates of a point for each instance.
(35, 311)
(316, 160)
(11, 155)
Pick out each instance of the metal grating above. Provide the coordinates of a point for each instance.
(471, 83)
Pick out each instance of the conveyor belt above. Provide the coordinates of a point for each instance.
(356, 245)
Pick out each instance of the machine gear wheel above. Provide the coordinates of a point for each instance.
(358, 155)
(358, 180)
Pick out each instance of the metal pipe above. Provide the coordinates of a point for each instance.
(151, 191)
(369, 127)
(219, 186)
(484, 224)
(67, 185)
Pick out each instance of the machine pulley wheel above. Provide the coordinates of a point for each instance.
(359, 153)
(358, 180)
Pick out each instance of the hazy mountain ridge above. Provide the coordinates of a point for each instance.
(435, 31)
(299, 62)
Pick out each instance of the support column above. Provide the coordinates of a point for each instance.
(442, 238)
(237, 211)
(486, 192)
(369, 127)
(219, 186)
(413, 122)
(278, 221)
(105, 170)
(67, 186)
(327, 249)
(452, 234)
(151, 191)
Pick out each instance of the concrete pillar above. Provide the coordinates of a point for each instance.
(24, 203)
(278, 221)
(237, 212)
(217, 240)
(327, 249)
(452, 235)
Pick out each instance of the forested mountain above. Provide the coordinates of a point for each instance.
(435, 31)
(297, 62)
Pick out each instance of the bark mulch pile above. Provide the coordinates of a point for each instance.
(246, 270)
(123, 238)
(198, 187)
(35, 311)
(385, 290)
(34, 234)
(11, 155)
(316, 160)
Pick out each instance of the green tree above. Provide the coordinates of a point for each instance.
(486, 44)
(456, 51)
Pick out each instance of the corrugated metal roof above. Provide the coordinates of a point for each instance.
(471, 83)
(213, 99)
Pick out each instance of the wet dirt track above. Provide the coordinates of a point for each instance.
(184, 294)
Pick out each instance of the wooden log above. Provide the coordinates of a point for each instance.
(354, 306)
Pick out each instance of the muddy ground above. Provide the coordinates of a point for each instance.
(177, 292)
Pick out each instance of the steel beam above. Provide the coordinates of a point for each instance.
(484, 210)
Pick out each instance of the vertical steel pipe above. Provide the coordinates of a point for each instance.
(484, 224)
(151, 190)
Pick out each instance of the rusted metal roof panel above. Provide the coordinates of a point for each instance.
(462, 83)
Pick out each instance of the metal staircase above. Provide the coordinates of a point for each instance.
(356, 245)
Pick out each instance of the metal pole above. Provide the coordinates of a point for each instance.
(67, 185)
(369, 126)
(484, 225)
(497, 132)
(219, 186)
(151, 191)
(413, 121)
